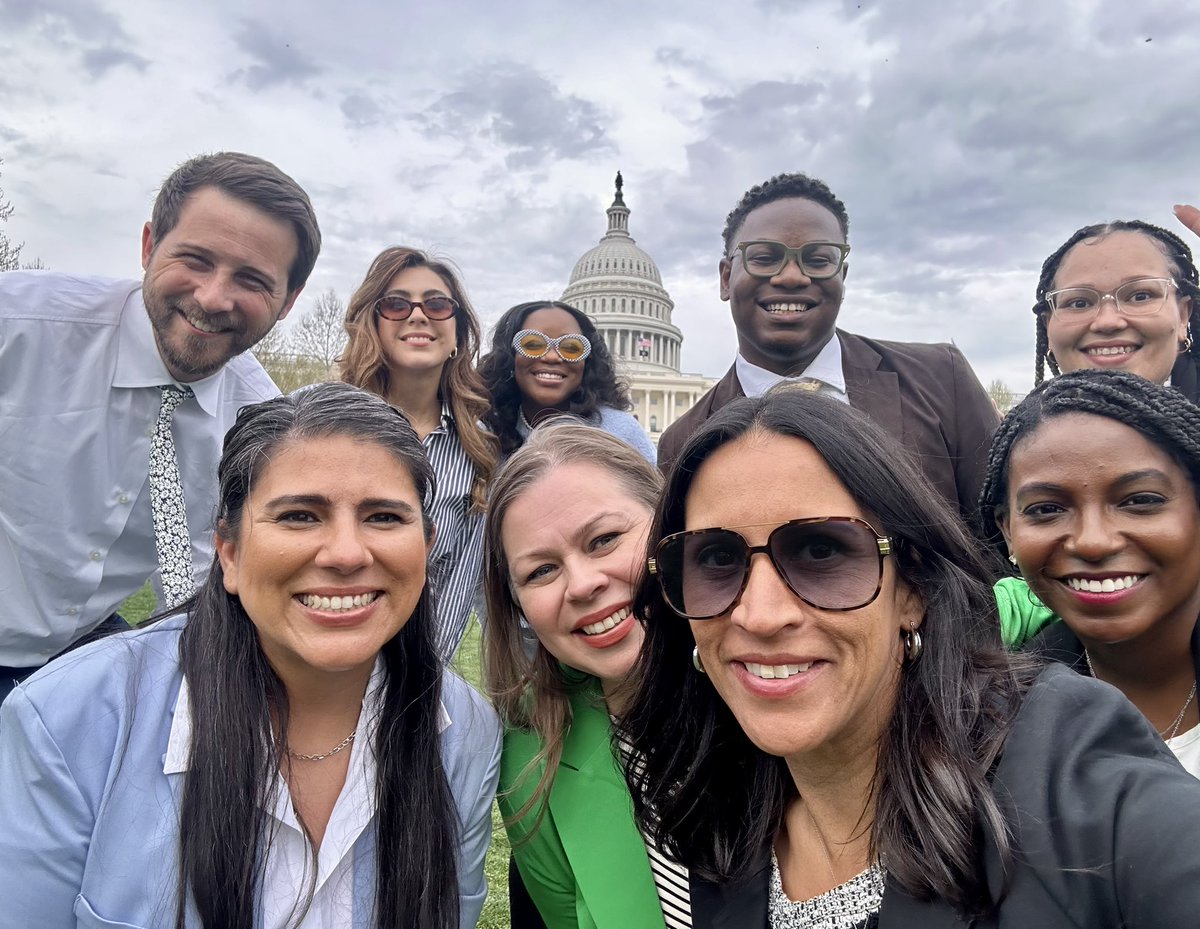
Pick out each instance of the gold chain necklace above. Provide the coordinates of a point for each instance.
(333, 751)
(1173, 728)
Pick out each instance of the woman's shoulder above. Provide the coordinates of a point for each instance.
(469, 723)
(1106, 731)
(140, 665)
(624, 425)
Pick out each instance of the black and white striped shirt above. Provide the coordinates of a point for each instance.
(457, 557)
(670, 877)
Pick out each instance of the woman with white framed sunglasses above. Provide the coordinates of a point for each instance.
(548, 359)
(829, 731)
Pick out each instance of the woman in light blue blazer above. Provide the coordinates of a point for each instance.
(289, 752)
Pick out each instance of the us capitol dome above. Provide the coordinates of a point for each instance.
(618, 285)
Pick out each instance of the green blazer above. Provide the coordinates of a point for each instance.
(585, 864)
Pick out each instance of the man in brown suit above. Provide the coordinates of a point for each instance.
(783, 273)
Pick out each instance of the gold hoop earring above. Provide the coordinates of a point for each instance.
(913, 646)
(454, 353)
(696, 662)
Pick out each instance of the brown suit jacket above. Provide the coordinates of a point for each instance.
(926, 395)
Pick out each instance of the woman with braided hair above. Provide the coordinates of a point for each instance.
(1150, 325)
(1093, 486)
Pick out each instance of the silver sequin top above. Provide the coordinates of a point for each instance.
(844, 907)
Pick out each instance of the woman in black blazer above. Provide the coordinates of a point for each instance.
(833, 735)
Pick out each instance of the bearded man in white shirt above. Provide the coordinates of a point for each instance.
(85, 367)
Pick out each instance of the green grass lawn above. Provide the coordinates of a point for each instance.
(466, 663)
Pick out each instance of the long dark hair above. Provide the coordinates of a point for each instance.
(1162, 414)
(362, 363)
(714, 801)
(600, 386)
(1177, 252)
(234, 693)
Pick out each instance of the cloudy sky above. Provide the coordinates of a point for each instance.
(967, 139)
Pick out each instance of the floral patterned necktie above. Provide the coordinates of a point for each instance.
(171, 538)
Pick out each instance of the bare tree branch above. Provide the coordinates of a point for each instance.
(321, 332)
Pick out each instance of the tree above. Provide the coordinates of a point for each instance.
(289, 370)
(321, 332)
(1002, 395)
(10, 254)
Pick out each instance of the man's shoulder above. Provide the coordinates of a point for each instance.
(246, 381)
(50, 296)
(712, 400)
(917, 353)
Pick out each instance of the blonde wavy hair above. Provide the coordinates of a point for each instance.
(533, 691)
(363, 363)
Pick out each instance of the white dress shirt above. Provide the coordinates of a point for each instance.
(80, 379)
(286, 874)
(826, 368)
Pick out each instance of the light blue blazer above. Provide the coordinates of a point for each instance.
(89, 823)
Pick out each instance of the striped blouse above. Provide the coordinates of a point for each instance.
(457, 557)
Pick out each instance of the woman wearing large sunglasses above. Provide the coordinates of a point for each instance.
(413, 338)
(548, 358)
(566, 534)
(830, 731)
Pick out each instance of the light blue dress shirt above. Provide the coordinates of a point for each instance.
(79, 395)
(89, 819)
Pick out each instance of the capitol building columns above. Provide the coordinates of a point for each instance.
(619, 286)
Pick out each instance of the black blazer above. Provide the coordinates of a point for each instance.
(925, 395)
(1106, 825)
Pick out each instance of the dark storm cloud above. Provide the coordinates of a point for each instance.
(79, 27)
(362, 111)
(518, 109)
(276, 61)
(100, 61)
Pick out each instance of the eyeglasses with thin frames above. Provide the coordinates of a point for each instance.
(830, 562)
(1143, 297)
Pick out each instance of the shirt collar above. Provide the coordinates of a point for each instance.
(140, 365)
(826, 368)
(179, 742)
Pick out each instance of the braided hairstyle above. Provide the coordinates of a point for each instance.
(780, 187)
(1176, 250)
(1162, 414)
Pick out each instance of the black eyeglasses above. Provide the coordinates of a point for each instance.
(830, 562)
(399, 308)
(818, 260)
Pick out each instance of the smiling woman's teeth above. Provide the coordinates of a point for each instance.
(605, 624)
(1111, 350)
(314, 602)
(776, 671)
(1106, 586)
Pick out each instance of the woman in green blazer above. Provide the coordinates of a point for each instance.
(565, 542)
